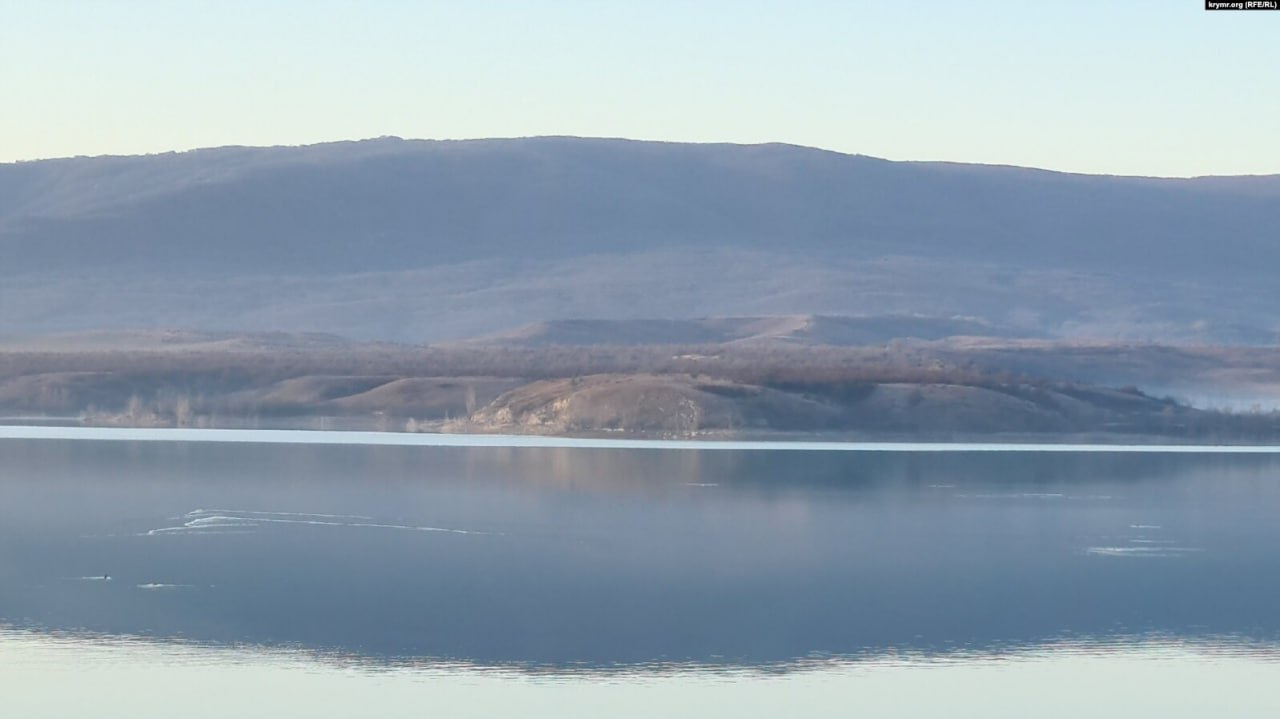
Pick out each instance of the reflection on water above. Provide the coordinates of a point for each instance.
(128, 678)
(653, 574)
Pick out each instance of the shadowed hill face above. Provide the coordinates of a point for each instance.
(426, 241)
(391, 204)
(795, 329)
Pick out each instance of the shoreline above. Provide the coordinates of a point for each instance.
(424, 439)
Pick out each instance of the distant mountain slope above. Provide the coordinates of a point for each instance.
(393, 204)
(430, 240)
(174, 340)
(797, 329)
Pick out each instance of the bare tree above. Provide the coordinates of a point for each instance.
(182, 411)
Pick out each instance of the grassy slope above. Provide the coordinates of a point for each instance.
(921, 388)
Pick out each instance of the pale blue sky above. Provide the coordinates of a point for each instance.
(1121, 86)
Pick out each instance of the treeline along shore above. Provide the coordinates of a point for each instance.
(710, 391)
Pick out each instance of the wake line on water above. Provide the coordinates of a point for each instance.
(400, 439)
(1159, 551)
(206, 521)
(199, 512)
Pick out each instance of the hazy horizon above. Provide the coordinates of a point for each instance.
(377, 138)
(1136, 88)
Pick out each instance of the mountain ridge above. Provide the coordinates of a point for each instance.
(810, 329)
(423, 241)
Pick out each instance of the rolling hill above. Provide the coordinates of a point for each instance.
(434, 240)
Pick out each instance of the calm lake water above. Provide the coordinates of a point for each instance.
(152, 578)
